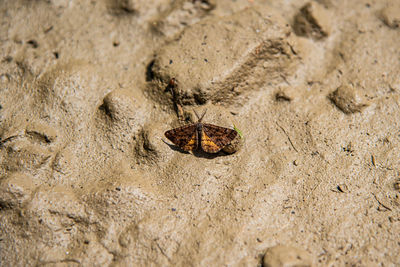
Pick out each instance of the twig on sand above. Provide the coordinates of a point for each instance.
(288, 137)
(381, 204)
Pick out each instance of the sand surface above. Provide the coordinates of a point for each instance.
(88, 88)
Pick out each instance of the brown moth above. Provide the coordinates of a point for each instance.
(209, 137)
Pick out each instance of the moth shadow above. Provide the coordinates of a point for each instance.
(197, 153)
(175, 148)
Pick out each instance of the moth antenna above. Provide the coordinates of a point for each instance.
(197, 115)
(202, 116)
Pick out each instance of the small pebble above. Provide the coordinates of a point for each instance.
(397, 185)
(33, 43)
(313, 21)
(342, 188)
(236, 143)
(282, 96)
(348, 99)
(391, 15)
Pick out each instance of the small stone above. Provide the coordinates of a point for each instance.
(348, 99)
(397, 185)
(313, 21)
(390, 15)
(342, 188)
(122, 7)
(33, 43)
(236, 143)
(285, 256)
(206, 5)
(282, 96)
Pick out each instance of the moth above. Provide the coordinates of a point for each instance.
(209, 137)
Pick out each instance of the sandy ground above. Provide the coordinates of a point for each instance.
(87, 177)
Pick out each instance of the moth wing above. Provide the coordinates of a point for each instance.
(183, 137)
(214, 138)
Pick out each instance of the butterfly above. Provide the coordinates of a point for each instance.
(209, 137)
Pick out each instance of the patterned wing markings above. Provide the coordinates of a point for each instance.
(214, 138)
(208, 145)
(185, 137)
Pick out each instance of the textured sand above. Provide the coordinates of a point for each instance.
(87, 177)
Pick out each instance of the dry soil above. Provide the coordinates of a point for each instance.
(88, 88)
